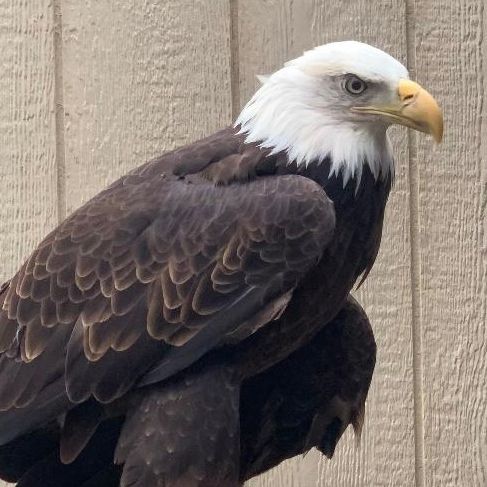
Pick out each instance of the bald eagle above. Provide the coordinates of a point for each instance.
(191, 325)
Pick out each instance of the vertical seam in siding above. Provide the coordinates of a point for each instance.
(59, 110)
(234, 59)
(417, 343)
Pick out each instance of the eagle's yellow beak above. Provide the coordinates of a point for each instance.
(415, 108)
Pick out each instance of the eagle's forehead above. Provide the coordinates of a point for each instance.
(354, 57)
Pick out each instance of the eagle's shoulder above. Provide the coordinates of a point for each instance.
(222, 159)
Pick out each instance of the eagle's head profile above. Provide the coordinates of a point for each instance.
(336, 101)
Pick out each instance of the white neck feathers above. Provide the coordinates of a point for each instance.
(289, 114)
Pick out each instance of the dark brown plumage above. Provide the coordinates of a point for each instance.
(215, 255)
(281, 412)
(310, 398)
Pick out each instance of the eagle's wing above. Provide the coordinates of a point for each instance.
(155, 270)
(310, 398)
(306, 400)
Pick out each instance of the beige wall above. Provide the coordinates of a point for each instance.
(92, 88)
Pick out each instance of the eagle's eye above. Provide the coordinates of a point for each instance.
(354, 85)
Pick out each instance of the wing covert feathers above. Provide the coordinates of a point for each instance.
(147, 265)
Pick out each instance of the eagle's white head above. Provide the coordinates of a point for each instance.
(337, 101)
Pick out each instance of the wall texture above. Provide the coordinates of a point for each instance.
(91, 88)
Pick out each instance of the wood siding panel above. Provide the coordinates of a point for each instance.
(139, 78)
(28, 200)
(270, 33)
(450, 59)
